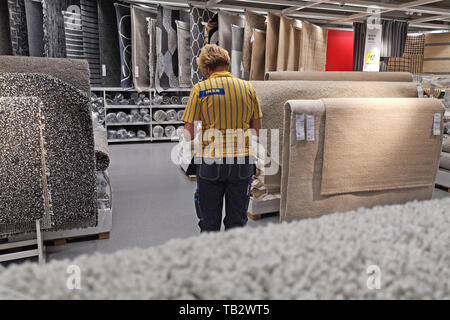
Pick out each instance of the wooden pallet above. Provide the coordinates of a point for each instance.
(254, 217)
(64, 241)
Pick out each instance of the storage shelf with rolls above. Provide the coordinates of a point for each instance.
(152, 104)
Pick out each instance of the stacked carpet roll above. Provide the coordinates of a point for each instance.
(412, 59)
(445, 155)
(437, 53)
(343, 154)
(69, 143)
(324, 258)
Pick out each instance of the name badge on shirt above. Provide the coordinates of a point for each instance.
(211, 92)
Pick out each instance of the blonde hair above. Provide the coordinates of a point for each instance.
(211, 57)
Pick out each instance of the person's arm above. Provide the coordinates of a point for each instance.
(255, 124)
(191, 114)
(256, 121)
(188, 131)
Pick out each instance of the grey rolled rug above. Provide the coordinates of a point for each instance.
(108, 43)
(77, 77)
(184, 53)
(5, 35)
(69, 144)
(102, 159)
(445, 160)
(18, 27)
(151, 30)
(226, 20)
(24, 191)
(390, 252)
(237, 44)
(35, 28)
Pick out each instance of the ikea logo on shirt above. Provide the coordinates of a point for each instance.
(211, 92)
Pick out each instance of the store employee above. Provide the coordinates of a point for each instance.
(221, 103)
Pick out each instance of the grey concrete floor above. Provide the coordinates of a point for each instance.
(152, 203)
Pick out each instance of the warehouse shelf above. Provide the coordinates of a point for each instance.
(118, 124)
(146, 126)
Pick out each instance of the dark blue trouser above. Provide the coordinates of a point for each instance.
(214, 181)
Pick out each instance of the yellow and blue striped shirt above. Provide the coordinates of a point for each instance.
(223, 102)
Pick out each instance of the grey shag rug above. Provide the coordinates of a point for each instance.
(322, 258)
(69, 145)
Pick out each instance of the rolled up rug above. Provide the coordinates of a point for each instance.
(123, 14)
(158, 131)
(252, 21)
(237, 44)
(101, 149)
(444, 162)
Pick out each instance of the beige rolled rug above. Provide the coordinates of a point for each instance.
(445, 161)
(295, 38)
(339, 76)
(56, 67)
(252, 21)
(225, 34)
(313, 49)
(302, 178)
(283, 42)
(274, 94)
(273, 31)
(258, 55)
(140, 42)
(437, 53)
(365, 143)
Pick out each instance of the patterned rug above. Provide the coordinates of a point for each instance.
(166, 49)
(198, 17)
(151, 29)
(184, 54)
(89, 21)
(54, 36)
(5, 35)
(73, 35)
(123, 14)
(18, 27)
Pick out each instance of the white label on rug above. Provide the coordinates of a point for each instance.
(420, 91)
(104, 70)
(300, 126)
(309, 128)
(136, 71)
(437, 124)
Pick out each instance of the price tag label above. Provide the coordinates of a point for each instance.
(420, 92)
(300, 127)
(310, 128)
(437, 124)
(136, 71)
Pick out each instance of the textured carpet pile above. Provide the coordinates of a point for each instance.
(318, 258)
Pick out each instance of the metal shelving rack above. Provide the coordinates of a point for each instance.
(104, 91)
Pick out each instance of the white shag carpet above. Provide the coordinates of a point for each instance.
(322, 258)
